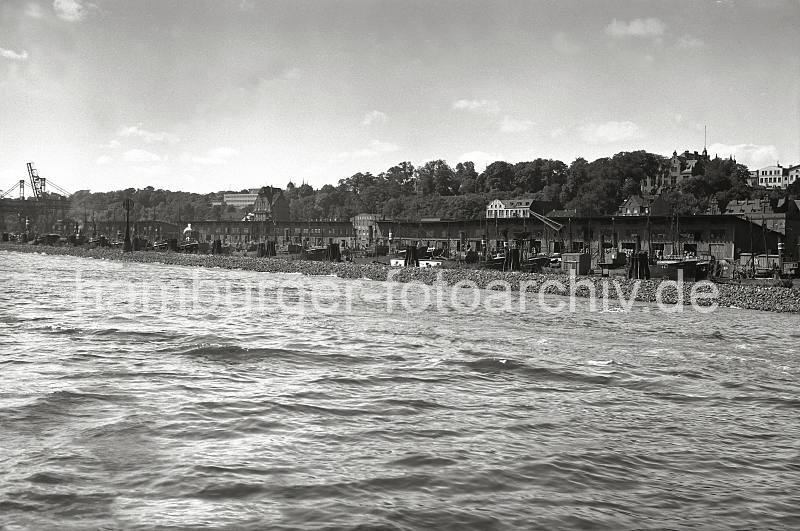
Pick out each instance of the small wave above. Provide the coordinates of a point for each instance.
(231, 352)
(687, 373)
(493, 365)
(49, 478)
(526, 427)
(231, 491)
(321, 410)
(421, 460)
(600, 363)
(345, 380)
(678, 397)
(378, 380)
(65, 401)
(417, 403)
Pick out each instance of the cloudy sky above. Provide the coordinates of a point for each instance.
(227, 94)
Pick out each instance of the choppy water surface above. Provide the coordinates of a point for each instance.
(114, 415)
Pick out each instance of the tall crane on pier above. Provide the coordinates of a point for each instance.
(38, 186)
(46, 204)
(37, 183)
(19, 186)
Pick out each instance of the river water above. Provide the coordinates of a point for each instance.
(120, 412)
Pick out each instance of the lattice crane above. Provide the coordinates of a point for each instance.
(37, 183)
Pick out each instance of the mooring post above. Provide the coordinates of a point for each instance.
(127, 205)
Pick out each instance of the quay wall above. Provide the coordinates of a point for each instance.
(765, 298)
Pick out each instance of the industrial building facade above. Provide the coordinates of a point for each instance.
(721, 236)
(718, 235)
(307, 233)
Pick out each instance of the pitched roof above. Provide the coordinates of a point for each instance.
(563, 213)
(748, 206)
(518, 203)
(514, 203)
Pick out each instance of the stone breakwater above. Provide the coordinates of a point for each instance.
(766, 298)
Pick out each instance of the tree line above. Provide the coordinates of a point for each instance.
(590, 188)
(436, 188)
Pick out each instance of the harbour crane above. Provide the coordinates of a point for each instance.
(37, 183)
(19, 186)
(38, 186)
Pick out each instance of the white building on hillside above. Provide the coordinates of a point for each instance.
(241, 200)
(509, 208)
(773, 176)
(794, 174)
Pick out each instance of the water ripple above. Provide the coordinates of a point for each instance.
(118, 417)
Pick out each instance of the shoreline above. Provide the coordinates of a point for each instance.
(763, 298)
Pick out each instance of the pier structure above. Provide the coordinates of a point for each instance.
(38, 211)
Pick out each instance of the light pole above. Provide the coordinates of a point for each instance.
(614, 235)
(127, 205)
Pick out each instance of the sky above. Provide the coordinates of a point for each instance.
(208, 95)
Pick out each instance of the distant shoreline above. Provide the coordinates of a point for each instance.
(764, 298)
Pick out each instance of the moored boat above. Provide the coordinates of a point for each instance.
(689, 269)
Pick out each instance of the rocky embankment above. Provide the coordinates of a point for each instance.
(767, 298)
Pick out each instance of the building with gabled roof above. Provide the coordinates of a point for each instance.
(637, 205)
(674, 172)
(773, 176)
(781, 216)
(517, 208)
(271, 205)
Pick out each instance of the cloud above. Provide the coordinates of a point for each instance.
(154, 170)
(480, 158)
(140, 155)
(510, 125)
(376, 147)
(70, 10)
(14, 56)
(34, 10)
(564, 45)
(609, 132)
(752, 155)
(292, 73)
(374, 117)
(272, 74)
(102, 160)
(638, 27)
(384, 147)
(558, 132)
(216, 156)
(148, 136)
(689, 42)
(479, 106)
